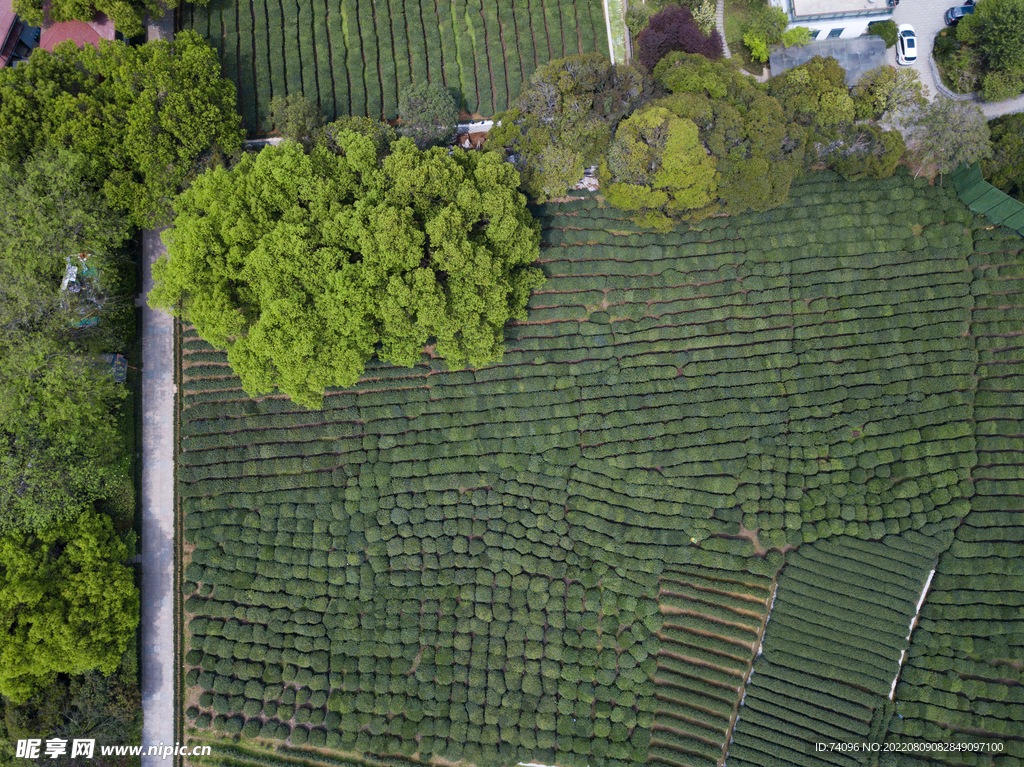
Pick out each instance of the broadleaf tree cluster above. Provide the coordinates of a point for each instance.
(564, 121)
(67, 604)
(145, 116)
(816, 96)
(740, 153)
(996, 31)
(57, 406)
(304, 265)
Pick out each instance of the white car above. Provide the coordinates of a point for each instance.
(906, 45)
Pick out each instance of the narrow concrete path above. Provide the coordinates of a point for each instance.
(157, 493)
(720, 26)
(999, 108)
(157, 515)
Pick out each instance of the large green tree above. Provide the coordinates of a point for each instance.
(889, 92)
(758, 151)
(68, 604)
(429, 115)
(815, 93)
(564, 121)
(997, 28)
(951, 132)
(657, 165)
(58, 441)
(144, 116)
(303, 265)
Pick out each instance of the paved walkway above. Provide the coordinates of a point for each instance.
(926, 17)
(1000, 108)
(157, 494)
(720, 26)
(157, 515)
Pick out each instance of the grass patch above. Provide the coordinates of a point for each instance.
(737, 12)
(617, 24)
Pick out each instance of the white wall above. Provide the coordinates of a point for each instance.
(852, 27)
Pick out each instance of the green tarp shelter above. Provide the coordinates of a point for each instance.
(981, 197)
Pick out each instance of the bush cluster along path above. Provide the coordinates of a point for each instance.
(559, 558)
(358, 56)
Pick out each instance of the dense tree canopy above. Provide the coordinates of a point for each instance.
(143, 115)
(1005, 169)
(757, 150)
(951, 132)
(67, 603)
(564, 121)
(815, 93)
(997, 28)
(57, 430)
(657, 164)
(56, 404)
(429, 115)
(302, 265)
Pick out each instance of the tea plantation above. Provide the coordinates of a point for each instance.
(358, 56)
(562, 558)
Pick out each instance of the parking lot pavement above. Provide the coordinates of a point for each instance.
(925, 16)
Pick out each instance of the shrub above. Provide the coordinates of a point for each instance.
(796, 36)
(1006, 168)
(1002, 85)
(944, 45)
(675, 29)
(765, 28)
(887, 30)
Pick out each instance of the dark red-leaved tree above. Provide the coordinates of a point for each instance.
(675, 30)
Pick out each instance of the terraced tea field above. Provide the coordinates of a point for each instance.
(358, 56)
(559, 558)
(964, 681)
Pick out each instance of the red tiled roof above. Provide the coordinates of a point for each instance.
(79, 31)
(7, 19)
(83, 33)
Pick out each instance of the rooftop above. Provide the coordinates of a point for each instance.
(81, 32)
(808, 8)
(856, 55)
(7, 21)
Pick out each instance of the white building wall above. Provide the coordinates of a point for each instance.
(852, 26)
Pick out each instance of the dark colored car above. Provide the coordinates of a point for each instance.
(953, 15)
